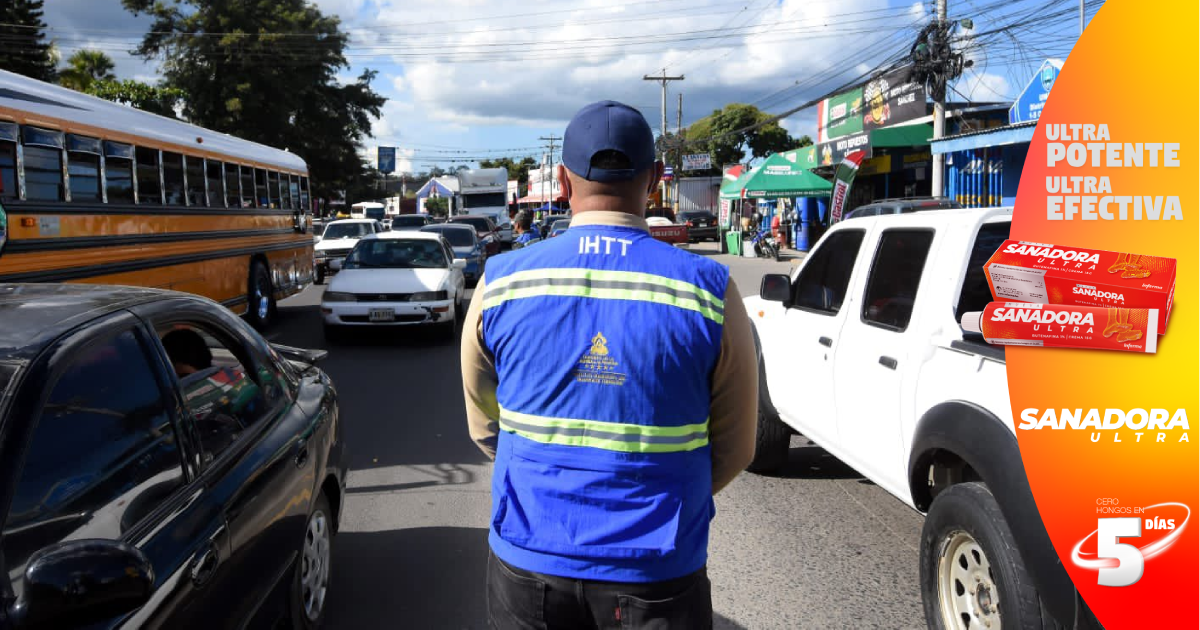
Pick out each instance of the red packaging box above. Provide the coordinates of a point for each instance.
(1021, 271)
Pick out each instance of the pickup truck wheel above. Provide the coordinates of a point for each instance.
(771, 440)
(972, 576)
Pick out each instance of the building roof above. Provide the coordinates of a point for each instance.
(991, 137)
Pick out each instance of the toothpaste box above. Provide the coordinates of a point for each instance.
(1021, 271)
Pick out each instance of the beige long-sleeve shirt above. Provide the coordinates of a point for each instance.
(734, 389)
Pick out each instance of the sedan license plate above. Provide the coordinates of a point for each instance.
(382, 315)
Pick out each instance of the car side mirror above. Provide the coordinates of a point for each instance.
(82, 582)
(303, 355)
(776, 287)
(459, 264)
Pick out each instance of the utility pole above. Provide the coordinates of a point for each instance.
(547, 174)
(663, 79)
(939, 121)
(679, 143)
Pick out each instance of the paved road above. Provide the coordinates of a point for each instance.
(815, 547)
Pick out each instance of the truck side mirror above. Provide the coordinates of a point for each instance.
(776, 287)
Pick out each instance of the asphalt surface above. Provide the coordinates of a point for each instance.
(817, 546)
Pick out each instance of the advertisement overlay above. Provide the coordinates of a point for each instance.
(1103, 256)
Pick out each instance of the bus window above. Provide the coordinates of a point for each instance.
(194, 167)
(149, 186)
(262, 198)
(216, 185)
(83, 167)
(172, 168)
(304, 203)
(285, 191)
(294, 192)
(118, 172)
(43, 163)
(233, 186)
(8, 160)
(273, 189)
(247, 187)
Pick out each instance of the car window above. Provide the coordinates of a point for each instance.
(408, 221)
(346, 230)
(397, 254)
(975, 291)
(821, 285)
(102, 455)
(458, 237)
(220, 394)
(895, 277)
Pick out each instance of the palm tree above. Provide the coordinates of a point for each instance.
(84, 68)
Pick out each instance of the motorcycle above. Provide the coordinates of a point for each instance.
(765, 245)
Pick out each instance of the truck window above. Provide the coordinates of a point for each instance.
(895, 278)
(821, 286)
(975, 292)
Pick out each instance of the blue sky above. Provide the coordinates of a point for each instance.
(477, 78)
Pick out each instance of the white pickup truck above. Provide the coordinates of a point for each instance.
(861, 352)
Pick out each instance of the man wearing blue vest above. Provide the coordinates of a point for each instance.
(611, 437)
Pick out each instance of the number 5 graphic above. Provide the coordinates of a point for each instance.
(1129, 571)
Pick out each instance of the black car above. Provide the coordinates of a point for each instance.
(163, 465)
(903, 205)
(702, 224)
(403, 222)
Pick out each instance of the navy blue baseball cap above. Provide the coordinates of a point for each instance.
(607, 126)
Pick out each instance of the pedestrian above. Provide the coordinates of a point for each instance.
(525, 233)
(644, 405)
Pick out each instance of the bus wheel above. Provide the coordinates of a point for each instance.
(261, 308)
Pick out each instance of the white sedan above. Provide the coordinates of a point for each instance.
(396, 279)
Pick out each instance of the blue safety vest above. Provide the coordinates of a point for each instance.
(603, 467)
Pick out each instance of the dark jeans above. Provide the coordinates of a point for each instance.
(522, 600)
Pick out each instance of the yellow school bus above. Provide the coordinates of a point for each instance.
(98, 192)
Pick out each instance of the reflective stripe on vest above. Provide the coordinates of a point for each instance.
(604, 285)
(610, 436)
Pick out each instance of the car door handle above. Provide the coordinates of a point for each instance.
(826, 341)
(204, 565)
(888, 362)
(301, 453)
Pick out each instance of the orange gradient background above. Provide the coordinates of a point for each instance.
(1135, 68)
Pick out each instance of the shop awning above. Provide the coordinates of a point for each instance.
(777, 177)
(994, 137)
(901, 136)
(540, 198)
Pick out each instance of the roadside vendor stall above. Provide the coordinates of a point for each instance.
(776, 178)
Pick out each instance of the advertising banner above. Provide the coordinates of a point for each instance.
(843, 177)
(892, 98)
(1108, 439)
(840, 115)
(697, 162)
(387, 159)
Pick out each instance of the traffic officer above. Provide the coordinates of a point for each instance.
(644, 404)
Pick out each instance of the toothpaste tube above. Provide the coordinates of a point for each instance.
(1064, 326)
(1052, 274)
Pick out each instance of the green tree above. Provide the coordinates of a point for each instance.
(437, 206)
(84, 68)
(720, 133)
(266, 71)
(150, 98)
(23, 46)
(517, 169)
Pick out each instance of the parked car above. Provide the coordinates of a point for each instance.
(409, 221)
(164, 466)
(665, 230)
(903, 205)
(396, 279)
(467, 248)
(861, 351)
(485, 230)
(558, 227)
(701, 225)
(337, 239)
